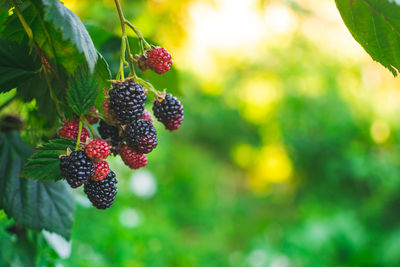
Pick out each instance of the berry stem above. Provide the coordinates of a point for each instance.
(138, 33)
(78, 140)
(150, 87)
(95, 136)
(125, 48)
(25, 25)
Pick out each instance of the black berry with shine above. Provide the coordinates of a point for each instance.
(141, 136)
(127, 99)
(169, 111)
(77, 168)
(112, 133)
(102, 193)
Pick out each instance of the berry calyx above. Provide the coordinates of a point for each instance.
(141, 136)
(147, 116)
(97, 150)
(102, 193)
(142, 62)
(127, 100)
(159, 60)
(101, 170)
(77, 168)
(169, 111)
(71, 130)
(133, 159)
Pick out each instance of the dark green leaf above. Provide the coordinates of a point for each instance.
(103, 77)
(375, 24)
(16, 65)
(82, 91)
(45, 163)
(34, 204)
(72, 29)
(48, 38)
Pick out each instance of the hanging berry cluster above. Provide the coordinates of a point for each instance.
(125, 127)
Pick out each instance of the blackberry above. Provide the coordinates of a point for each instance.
(169, 111)
(91, 119)
(102, 193)
(71, 129)
(76, 168)
(133, 159)
(159, 60)
(101, 170)
(127, 101)
(108, 113)
(141, 136)
(97, 150)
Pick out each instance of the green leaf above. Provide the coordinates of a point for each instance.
(72, 29)
(375, 24)
(33, 204)
(47, 37)
(16, 65)
(45, 163)
(20, 68)
(103, 77)
(82, 92)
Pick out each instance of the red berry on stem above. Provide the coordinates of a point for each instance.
(71, 130)
(159, 60)
(133, 159)
(97, 150)
(101, 170)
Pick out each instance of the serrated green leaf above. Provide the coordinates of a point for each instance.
(82, 91)
(72, 29)
(33, 204)
(375, 24)
(45, 163)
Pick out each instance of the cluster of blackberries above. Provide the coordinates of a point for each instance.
(87, 167)
(126, 129)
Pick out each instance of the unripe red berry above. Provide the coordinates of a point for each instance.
(97, 150)
(71, 130)
(133, 159)
(159, 60)
(101, 170)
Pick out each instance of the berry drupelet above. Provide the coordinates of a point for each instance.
(133, 159)
(141, 136)
(169, 111)
(127, 100)
(77, 168)
(102, 193)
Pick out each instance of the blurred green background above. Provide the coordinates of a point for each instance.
(288, 154)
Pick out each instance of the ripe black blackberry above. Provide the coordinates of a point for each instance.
(102, 193)
(141, 136)
(127, 100)
(77, 168)
(169, 111)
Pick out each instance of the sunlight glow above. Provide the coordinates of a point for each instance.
(380, 131)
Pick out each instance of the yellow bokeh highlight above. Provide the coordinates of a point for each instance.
(259, 96)
(243, 155)
(272, 166)
(380, 131)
